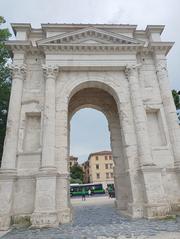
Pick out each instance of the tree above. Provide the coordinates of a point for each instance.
(76, 173)
(5, 82)
(176, 96)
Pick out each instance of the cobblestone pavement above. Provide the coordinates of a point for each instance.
(100, 221)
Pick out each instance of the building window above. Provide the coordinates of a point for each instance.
(96, 157)
(112, 175)
(70, 164)
(97, 166)
(106, 157)
(106, 166)
(97, 175)
(111, 165)
(110, 157)
(107, 175)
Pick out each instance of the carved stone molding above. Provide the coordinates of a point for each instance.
(64, 175)
(50, 71)
(131, 70)
(18, 71)
(92, 33)
(161, 66)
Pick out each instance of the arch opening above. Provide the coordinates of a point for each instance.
(101, 97)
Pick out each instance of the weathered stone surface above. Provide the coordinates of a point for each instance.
(99, 67)
(102, 222)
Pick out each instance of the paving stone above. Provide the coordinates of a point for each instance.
(102, 220)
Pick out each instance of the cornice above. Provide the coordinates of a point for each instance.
(56, 26)
(89, 32)
(154, 28)
(19, 42)
(24, 46)
(19, 45)
(90, 40)
(90, 47)
(163, 47)
(21, 26)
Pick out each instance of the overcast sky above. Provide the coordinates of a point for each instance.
(92, 125)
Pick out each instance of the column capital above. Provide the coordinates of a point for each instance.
(131, 70)
(161, 65)
(50, 71)
(18, 71)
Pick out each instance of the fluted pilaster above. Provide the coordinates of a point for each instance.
(11, 139)
(139, 117)
(169, 106)
(48, 150)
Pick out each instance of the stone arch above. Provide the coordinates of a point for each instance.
(93, 95)
(152, 172)
(70, 84)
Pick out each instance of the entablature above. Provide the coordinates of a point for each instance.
(90, 39)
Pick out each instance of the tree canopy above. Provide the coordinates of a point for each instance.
(5, 82)
(76, 174)
(176, 96)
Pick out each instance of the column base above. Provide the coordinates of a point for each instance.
(65, 216)
(176, 207)
(7, 177)
(44, 219)
(120, 204)
(131, 211)
(158, 211)
(5, 222)
(135, 210)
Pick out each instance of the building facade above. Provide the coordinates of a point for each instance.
(73, 161)
(99, 168)
(116, 69)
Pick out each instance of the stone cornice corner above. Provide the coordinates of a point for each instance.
(154, 28)
(21, 27)
(19, 45)
(163, 47)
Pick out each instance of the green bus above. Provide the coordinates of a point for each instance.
(76, 189)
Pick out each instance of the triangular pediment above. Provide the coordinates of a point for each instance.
(89, 36)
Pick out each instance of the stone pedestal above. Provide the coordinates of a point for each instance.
(64, 209)
(135, 210)
(155, 202)
(45, 214)
(7, 178)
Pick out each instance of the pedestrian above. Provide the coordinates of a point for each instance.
(109, 191)
(83, 194)
(89, 192)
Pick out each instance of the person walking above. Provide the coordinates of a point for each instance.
(83, 194)
(89, 192)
